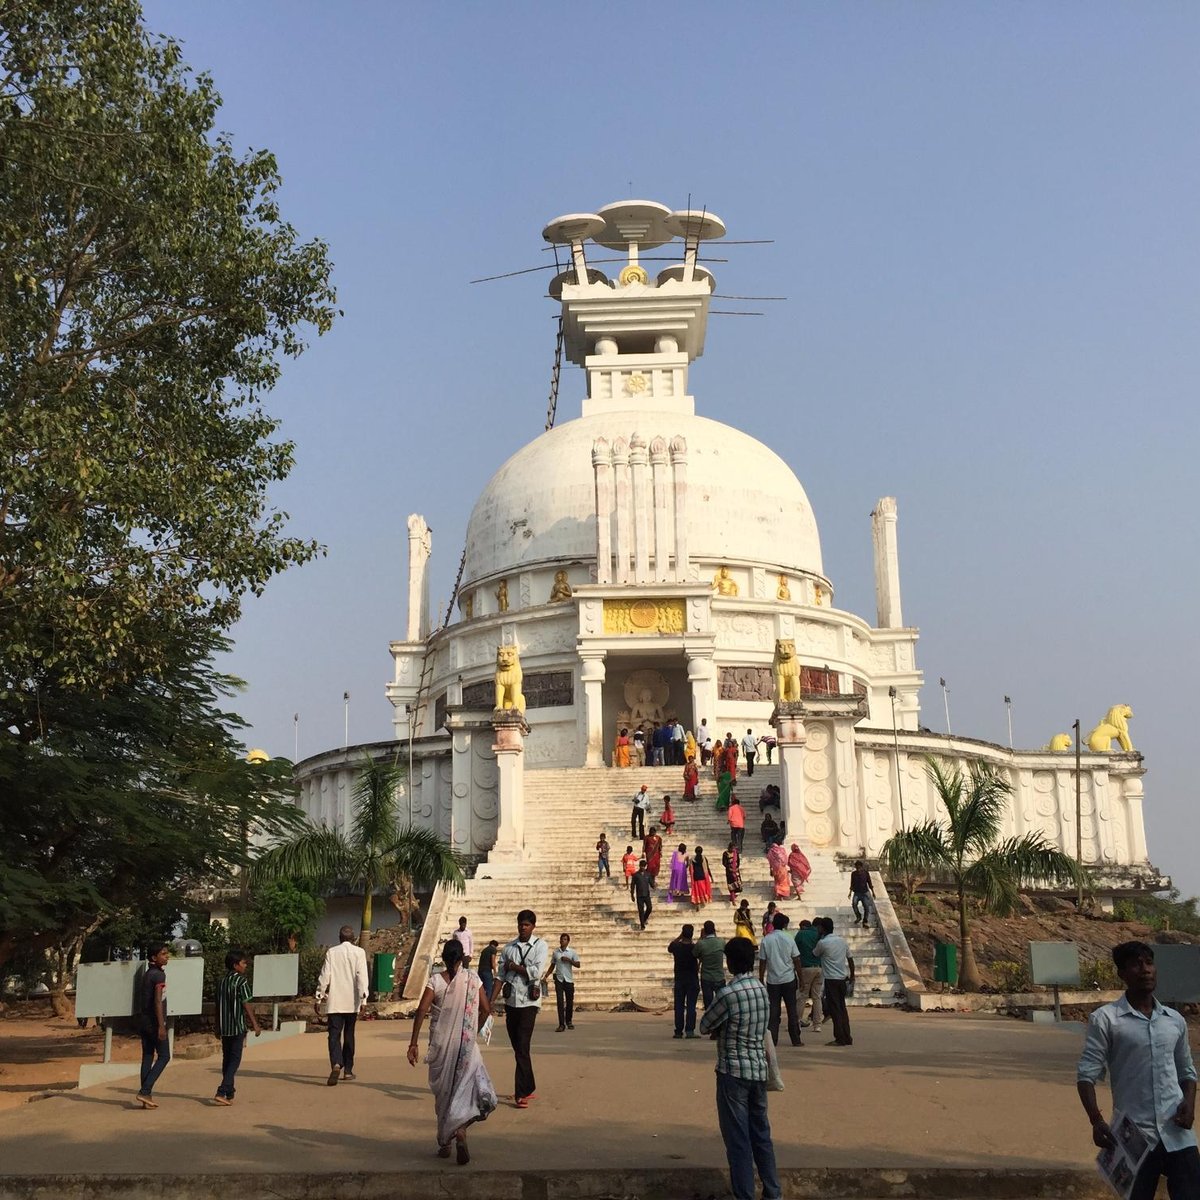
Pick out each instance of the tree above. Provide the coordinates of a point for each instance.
(376, 855)
(128, 800)
(149, 289)
(967, 847)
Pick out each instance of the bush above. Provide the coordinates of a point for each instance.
(1100, 974)
(1012, 976)
(311, 958)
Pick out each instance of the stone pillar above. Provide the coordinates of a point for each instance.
(1135, 825)
(887, 564)
(847, 829)
(662, 513)
(790, 737)
(641, 509)
(602, 466)
(679, 464)
(620, 456)
(591, 674)
(702, 675)
(509, 748)
(420, 543)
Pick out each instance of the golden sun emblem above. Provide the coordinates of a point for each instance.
(635, 385)
(633, 274)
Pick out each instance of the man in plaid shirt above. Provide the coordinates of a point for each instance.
(738, 1020)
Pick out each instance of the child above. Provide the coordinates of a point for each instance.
(602, 857)
(233, 1015)
(629, 863)
(668, 816)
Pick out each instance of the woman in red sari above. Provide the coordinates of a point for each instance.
(691, 777)
(799, 869)
(652, 853)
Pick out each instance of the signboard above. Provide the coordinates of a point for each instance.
(1178, 974)
(106, 989)
(275, 975)
(1054, 964)
(185, 987)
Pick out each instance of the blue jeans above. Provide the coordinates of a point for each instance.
(489, 981)
(155, 1056)
(686, 991)
(231, 1059)
(1181, 1168)
(742, 1115)
(862, 901)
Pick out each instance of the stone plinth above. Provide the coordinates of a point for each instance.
(791, 737)
(511, 729)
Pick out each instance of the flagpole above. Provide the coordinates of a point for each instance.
(295, 737)
(346, 716)
(1008, 706)
(946, 701)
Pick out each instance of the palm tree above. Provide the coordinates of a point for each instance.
(376, 855)
(968, 848)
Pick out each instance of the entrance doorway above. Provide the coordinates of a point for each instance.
(646, 692)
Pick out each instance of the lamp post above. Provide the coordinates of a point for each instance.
(1078, 820)
(946, 701)
(346, 720)
(1008, 706)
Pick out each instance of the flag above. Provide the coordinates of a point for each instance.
(942, 682)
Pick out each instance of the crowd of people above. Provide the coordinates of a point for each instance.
(671, 745)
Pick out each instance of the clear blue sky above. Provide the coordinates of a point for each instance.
(986, 222)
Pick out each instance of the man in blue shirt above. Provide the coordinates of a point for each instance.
(1144, 1049)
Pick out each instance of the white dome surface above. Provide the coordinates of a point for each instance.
(744, 503)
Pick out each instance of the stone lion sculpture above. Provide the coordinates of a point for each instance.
(508, 679)
(787, 672)
(1114, 725)
(1060, 742)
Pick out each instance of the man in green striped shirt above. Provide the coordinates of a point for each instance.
(233, 1015)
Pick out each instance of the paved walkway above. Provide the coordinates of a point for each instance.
(919, 1091)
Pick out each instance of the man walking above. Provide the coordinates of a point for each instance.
(738, 1017)
(677, 739)
(710, 952)
(705, 742)
(777, 957)
(833, 953)
(234, 1014)
(465, 938)
(1144, 1049)
(862, 893)
(811, 980)
(152, 1018)
(642, 886)
(637, 819)
(564, 962)
(749, 749)
(522, 965)
(687, 981)
(342, 984)
(736, 816)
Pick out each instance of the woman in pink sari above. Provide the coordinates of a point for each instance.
(462, 1091)
(799, 869)
(777, 860)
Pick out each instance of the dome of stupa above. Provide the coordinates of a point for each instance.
(744, 502)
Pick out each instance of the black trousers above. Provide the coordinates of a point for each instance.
(564, 994)
(785, 994)
(519, 1022)
(637, 824)
(835, 1010)
(749, 764)
(708, 990)
(341, 1040)
(686, 991)
(645, 908)
(1181, 1168)
(737, 835)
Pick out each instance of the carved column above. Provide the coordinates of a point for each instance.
(602, 466)
(591, 675)
(1135, 825)
(679, 465)
(847, 829)
(887, 565)
(662, 514)
(621, 474)
(420, 543)
(641, 509)
(702, 675)
(790, 737)
(509, 748)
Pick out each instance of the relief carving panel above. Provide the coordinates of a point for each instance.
(644, 616)
(745, 683)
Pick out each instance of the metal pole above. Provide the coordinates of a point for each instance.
(1078, 819)
(295, 737)
(946, 700)
(346, 715)
(1008, 705)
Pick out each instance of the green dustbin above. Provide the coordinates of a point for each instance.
(384, 976)
(945, 963)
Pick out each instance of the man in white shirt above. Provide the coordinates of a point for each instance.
(749, 749)
(343, 986)
(464, 937)
(519, 977)
(704, 741)
(838, 969)
(677, 743)
(1143, 1047)
(777, 958)
(564, 962)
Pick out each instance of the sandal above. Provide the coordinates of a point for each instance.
(464, 1155)
(146, 1102)
(444, 1151)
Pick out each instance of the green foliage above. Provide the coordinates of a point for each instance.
(376, 856)
(1099, 973)
(149, 288)
(1162, 910)
(135, 929)
(311, 958)
(1012, 976)
(287, 907)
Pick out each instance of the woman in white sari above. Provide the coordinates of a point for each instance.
(462, 1090)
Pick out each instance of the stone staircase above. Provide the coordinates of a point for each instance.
(565, 810)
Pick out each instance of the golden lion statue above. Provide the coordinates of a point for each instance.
(1060, 742)
(508, 679)
(787, 672)
(1114, 725)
